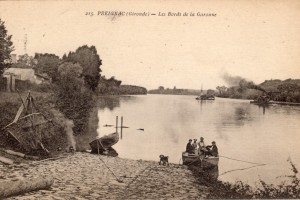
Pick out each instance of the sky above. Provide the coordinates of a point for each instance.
(257, 40)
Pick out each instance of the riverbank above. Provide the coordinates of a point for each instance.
(277, 103)
(85, 176)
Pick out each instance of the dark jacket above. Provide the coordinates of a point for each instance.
(214, 151)
(189, 148)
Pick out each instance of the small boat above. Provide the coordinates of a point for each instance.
(262, 100)
(104, 142)
(188, 159)
(205, 97)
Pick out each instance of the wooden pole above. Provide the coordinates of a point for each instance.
(121, 126)
(98, 148)
(116, 124)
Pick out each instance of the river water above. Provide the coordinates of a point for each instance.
(241, 130)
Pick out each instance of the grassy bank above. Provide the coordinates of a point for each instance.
(290, 188)
(51, 135)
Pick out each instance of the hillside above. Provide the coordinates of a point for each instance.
(287, 90)
(272, 85)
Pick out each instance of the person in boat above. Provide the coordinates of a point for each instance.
(189, 147)
(202, 146)
(195, 146)
(213, 150)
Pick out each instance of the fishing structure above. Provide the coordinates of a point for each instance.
(25, 128)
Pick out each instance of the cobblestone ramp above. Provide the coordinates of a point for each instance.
(85, 176)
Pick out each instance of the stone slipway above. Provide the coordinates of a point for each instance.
(85, 176)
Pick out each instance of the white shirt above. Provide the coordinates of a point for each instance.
(201, 144)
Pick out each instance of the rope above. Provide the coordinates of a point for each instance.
(243, 161)
(137, 176)
(119, 180)
(241, 169)
(255, 165)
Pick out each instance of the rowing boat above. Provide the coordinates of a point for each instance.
(104, 142)
(189, 159)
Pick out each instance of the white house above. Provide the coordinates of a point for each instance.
(27, 74)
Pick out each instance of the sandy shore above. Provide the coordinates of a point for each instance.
(85, 176)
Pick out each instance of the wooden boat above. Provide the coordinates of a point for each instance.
(262, 100)
(104, 142)
(205, 97)
(189, 159)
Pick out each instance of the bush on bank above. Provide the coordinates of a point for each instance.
(73, 98)
(240, 190)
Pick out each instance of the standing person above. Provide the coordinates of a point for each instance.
(202, 146)
(189, 147)
(195, 146)
(214, 149)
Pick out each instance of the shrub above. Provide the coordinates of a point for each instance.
(73, 99)
(241, 190)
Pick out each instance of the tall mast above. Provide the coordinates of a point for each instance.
(201, 88)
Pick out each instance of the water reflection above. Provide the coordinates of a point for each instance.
(108, 102)
(240, 129)
(113, 102)
(82, 141)
(263, 107)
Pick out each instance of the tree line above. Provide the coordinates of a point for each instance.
(287, 90)
(76, 78)
(174, 91)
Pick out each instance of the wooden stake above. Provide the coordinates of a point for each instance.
(121, 126)
(116, 124)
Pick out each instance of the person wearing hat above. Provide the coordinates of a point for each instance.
(214, 150)
(189, 147)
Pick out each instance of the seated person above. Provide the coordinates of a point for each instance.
(213, 150)
(189, 147)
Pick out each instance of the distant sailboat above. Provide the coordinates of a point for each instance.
(199, 97)
(204, 96)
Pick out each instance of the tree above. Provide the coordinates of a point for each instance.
(70, 69)
(25, 61)
(47, 63)
(74, 100)
(288, 88)
(6, 47)
(161, 88)
(90, 61)
(221, 89)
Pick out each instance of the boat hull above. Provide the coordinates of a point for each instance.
(205, 97)
(104, 142)
(190, 159)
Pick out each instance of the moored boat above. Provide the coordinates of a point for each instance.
(189, 159)
(205, 97)
(104, 142)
